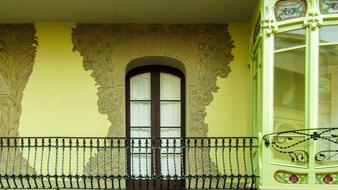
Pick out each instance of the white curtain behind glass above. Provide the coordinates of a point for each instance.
(170, 123)
(170, 95)
(140, 123)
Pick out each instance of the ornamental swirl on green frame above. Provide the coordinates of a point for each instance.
(329, 6)
(288, 9)
(290, 177)
(328, 178)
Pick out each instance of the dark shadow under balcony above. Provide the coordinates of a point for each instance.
(120, 163)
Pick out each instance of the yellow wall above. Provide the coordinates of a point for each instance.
(229, 113)
(60, 97)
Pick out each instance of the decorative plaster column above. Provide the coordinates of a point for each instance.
(17, 52)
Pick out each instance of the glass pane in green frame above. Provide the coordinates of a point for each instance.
(328, 99)
(328, 34)
(289, 90)
(329, 6)
(290, 39)
(288, 9)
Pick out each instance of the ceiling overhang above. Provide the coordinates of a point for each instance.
(126, 11)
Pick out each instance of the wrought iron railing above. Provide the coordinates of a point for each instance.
(120, 163)
(294, 143)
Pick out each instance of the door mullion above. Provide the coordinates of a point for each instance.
(155, 121)
(158, 124)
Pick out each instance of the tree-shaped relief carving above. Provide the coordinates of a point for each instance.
(205, 50)
(17, 52)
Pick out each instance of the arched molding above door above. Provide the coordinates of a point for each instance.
(107, 49)
(155, 60)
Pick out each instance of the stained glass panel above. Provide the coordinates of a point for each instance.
(288, 9)
(329, 6)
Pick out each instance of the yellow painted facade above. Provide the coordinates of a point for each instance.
(60, 97)
(264, 92)
(229, 113)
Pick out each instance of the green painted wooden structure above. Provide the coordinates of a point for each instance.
(274, 18)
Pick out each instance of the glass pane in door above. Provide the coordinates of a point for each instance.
(140, 113)
(170, 87)
(170, 121)
(140, 124)
(140, 87)
(170, 113)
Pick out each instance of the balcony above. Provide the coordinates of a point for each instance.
(305, 155)
(295, 144)
(121, 163)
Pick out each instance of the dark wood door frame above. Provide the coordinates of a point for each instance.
(154, 71)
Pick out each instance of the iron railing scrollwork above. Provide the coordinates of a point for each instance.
(122, 163)
(294, 143)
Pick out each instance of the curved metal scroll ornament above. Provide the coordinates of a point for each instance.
(326, 155)
(288, 142)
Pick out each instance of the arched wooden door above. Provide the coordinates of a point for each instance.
(155, 109)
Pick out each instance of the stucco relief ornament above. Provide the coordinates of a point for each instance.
(212, 42)
(17, 52)
(96, 45)
(207, 46)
